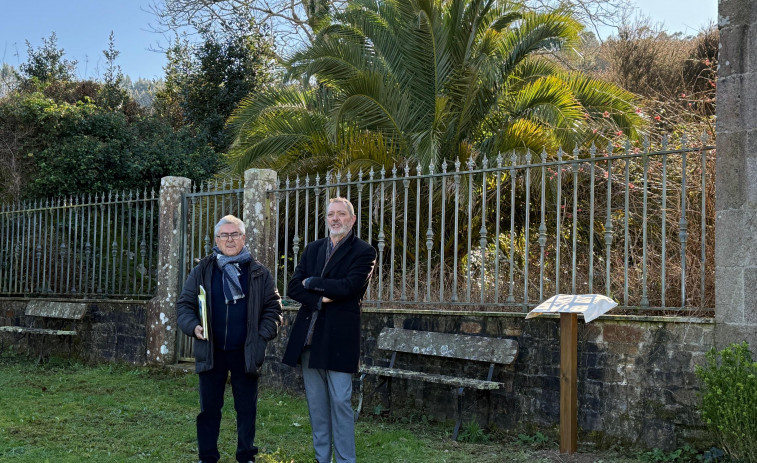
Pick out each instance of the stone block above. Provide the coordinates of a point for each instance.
(627, 349)
(727, 334)
(733, 41)
(622, 333)
(680, 360)
(659, 434)
(470, 327)
(736, 12)
(692, 336)
(596, 374)
(590, 420)
(591, 360)
(751, 56)
(512, 332)
(750, 163)
(750, 297)
(591, 332)
(734, 246)
(730, 171)
(749, 97)
(729, 295)
(729, 110)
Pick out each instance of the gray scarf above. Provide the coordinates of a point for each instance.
(230, 266)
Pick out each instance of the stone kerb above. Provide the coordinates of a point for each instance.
(260, 212)
(161, 310)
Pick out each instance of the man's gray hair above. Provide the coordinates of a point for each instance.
(229, 219)
(346, 202)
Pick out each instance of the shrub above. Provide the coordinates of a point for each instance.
(685, 454)
(473, 433)
(729, 400)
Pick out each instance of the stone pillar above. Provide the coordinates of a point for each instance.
(260, 212)
(736, 176)
(161, 311)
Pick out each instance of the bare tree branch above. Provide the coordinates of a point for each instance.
(291, 24)
(592, 13)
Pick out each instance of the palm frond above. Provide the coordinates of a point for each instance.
(426, 81)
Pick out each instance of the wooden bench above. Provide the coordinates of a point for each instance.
(494, 351)
(66, 314)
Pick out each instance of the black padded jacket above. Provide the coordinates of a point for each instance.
(263, 313)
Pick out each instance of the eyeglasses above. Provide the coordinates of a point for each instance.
(229, 236)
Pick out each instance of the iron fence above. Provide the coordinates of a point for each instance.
(203, 207)
(101, 246)
(635, 225)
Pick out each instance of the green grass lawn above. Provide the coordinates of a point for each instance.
(61, 412)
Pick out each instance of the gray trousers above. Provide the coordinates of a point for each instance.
(329, 396)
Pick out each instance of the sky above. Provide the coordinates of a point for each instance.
(83, 27)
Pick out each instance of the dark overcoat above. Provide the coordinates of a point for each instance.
(336, 338)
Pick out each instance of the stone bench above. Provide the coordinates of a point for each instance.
(65, 313)
(494, 351)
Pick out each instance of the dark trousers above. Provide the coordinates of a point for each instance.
(245, 391)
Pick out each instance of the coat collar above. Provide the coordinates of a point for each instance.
(339, 254)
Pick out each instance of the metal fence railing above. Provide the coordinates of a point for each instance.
(203, 207)
(635, 225)
(101, 246)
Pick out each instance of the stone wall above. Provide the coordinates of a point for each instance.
(636, 380)
(109, 331)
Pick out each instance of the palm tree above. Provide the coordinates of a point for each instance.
(392, 81)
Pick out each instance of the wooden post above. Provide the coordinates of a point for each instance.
(568, 382)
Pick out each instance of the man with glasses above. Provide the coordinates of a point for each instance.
(243, 313)
(330, 281)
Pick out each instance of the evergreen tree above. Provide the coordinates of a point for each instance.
(47, 63)
(205, 83)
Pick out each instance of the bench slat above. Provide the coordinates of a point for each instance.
(26, 329)
(432, 378)
(56, 309)
(480, 348)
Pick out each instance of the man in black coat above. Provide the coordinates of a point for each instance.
(330, 281)
(243, 314)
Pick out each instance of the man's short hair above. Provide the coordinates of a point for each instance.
(229, 219)
(345, 201)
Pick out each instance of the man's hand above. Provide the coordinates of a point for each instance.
(200, 333)
(326, 299)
